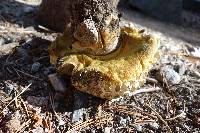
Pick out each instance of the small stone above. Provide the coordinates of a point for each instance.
(169, 75)
(122, 121)
(35, 67)
(154, 125)
(2, 41)
(196, 52)
(78, 115)
(138, 128)
(128, 119)
(9, 88)
(107, 129)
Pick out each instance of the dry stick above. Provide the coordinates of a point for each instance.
(17, 96)
(16, 72)
(173, 118)
(25, 107)
(27, 74)
(160, 117)
(151, 80)
(146, 90)
(182, 114)
(52, 105)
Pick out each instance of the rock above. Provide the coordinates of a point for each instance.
(138, 128)
(9, 88)
(196, 52)
(121, 121)
(168, 74)
(154, 125)
(78, 115)
(107, 129)
(35, 67)
(2, 41)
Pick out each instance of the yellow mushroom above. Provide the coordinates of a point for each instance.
(107, 76)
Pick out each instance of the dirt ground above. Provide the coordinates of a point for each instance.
(29, 103)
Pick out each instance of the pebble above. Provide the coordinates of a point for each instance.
(2, 41)
(78, 115)
(35, 67)
(107, 129)
(121, 121)
(168, 74)
(196, 52)
(138, 128)
(154, 125)
(9, 88)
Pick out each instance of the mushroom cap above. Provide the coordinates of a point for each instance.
(112, 75)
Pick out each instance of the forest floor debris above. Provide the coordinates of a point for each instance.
(29, 102)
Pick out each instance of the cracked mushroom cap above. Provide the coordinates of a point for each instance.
(112, 75)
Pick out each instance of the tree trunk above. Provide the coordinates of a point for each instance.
(93, 23)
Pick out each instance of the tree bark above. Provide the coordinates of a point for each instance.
(94, 23)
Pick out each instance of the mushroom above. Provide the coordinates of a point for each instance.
(109, 75)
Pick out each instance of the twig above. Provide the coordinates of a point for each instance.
(27, 74)
(25, 107)
(146, 90)
(16, 72)
(151, 80)
(182, 114)
(160, 117)
(17, 96)
(52, 105)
